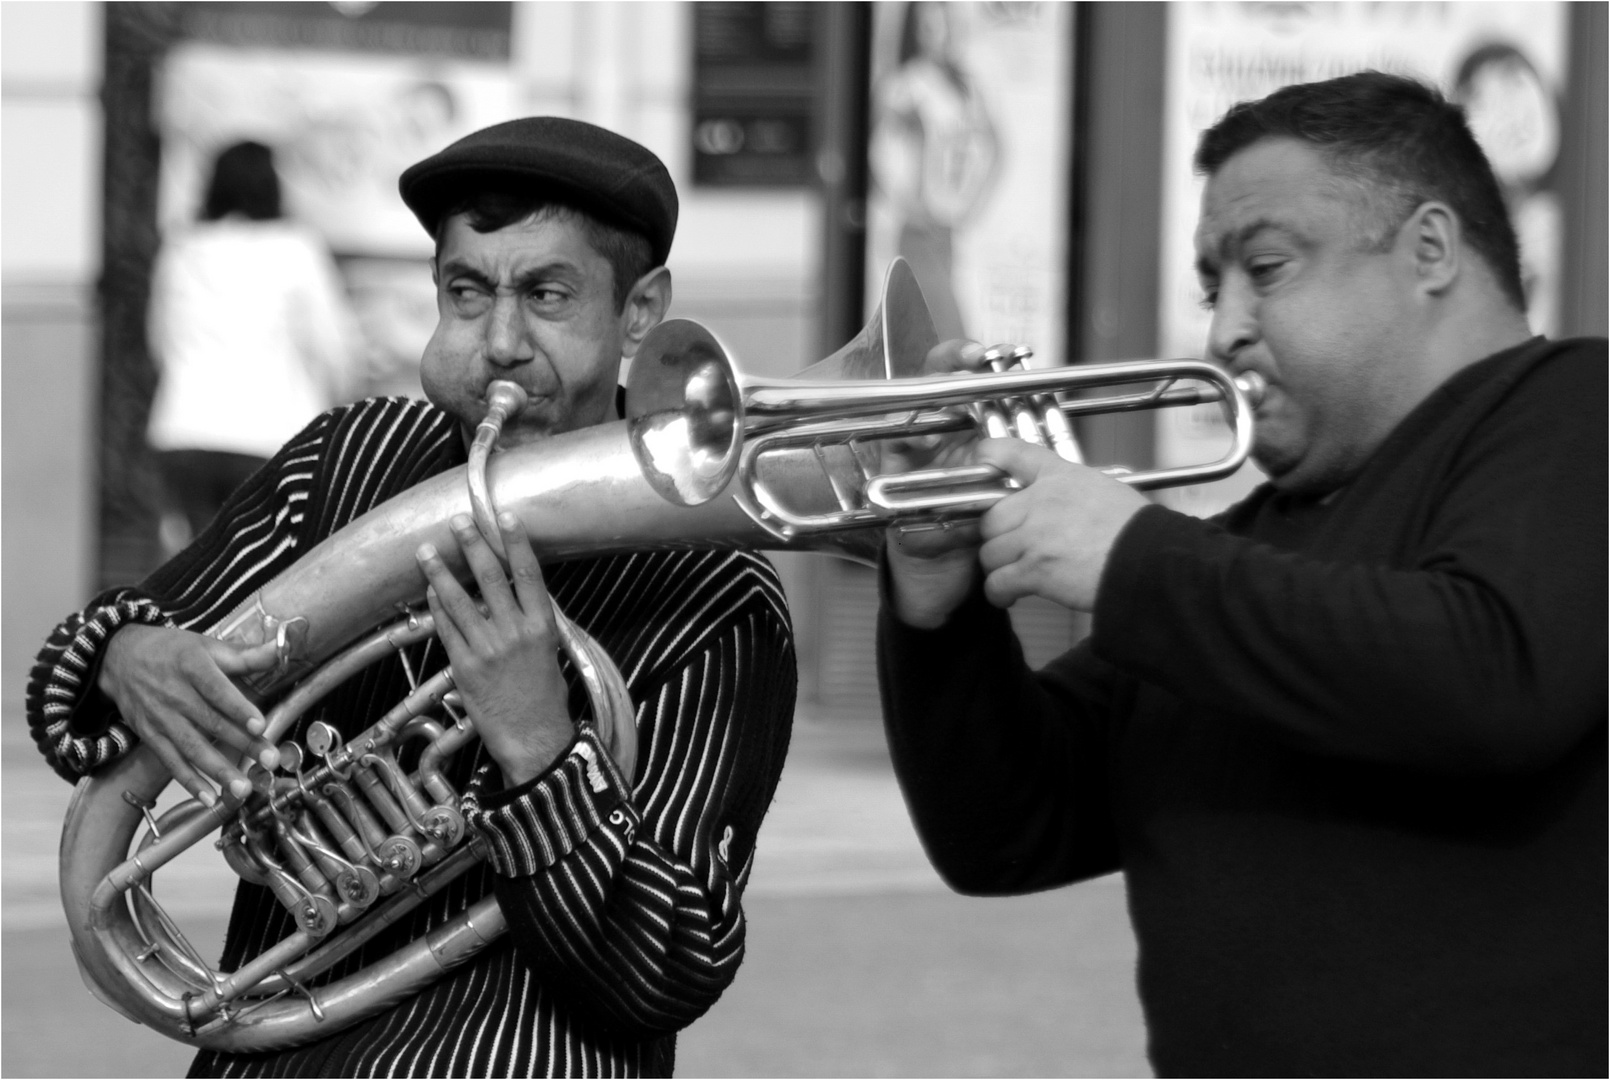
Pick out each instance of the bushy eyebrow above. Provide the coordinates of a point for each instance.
(524, 279)
(1233, 240)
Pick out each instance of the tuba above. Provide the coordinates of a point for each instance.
(348, 840)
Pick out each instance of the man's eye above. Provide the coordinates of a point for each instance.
(467, 300)
(544, 294)
(1210, 297)
(1264, 269)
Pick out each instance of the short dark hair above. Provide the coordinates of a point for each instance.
(628, 253)
(1394, 135)
(243, 182)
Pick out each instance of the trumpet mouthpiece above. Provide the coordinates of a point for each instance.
(1253, 385)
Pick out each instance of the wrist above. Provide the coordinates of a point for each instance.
(926, 591)
(533, 752)
(108, 679)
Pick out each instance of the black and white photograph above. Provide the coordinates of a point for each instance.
(908, 538)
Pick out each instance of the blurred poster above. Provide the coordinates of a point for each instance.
(1505, 61)
(971, 117)
(343, 127)
(347, 101)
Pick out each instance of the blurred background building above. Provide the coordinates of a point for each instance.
(1031, 160)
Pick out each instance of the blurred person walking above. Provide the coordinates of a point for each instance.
(251, 334)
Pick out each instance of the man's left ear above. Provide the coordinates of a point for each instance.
(646, 306)
(1437, 241)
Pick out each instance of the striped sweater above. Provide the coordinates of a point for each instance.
(622, 899)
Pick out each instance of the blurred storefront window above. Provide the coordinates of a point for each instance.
(754, 94)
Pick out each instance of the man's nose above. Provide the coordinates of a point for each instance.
(1234, 326)
(507, 342)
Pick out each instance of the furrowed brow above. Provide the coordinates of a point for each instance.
(561, 269)
(462, 269)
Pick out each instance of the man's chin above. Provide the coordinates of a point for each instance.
(1283, 470)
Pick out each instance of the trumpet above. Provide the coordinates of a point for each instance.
(699, 427)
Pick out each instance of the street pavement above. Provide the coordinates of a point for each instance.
(860, 962)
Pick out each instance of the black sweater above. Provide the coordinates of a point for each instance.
(1349, 753)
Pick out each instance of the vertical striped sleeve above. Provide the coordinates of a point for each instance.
(631, 905)
(260, 531)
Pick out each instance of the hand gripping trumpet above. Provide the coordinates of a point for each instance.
(346, 838)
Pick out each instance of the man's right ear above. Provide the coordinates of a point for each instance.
(646, 306)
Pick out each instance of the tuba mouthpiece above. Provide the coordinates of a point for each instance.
(503, 400)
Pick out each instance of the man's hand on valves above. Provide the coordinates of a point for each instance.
(503, 649)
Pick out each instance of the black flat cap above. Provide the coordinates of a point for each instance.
(595, 170)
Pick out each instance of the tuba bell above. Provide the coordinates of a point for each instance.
(343, 836)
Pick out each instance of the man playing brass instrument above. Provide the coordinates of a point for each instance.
(1346, 741)
(622, 897)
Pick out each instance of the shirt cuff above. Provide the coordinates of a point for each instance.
(531, 827)
(74, 722)
(961, 622)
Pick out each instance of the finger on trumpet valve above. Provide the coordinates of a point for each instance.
(1025, 424)
(992, 420)
(1005, 357)
(1059, 432)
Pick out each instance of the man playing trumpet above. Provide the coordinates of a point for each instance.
(622, 895)
(1347, 741)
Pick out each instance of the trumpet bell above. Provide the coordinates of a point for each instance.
(683, 408)
(688, 409)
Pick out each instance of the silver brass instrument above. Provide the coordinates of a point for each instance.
(697, 424)
(344, 837)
